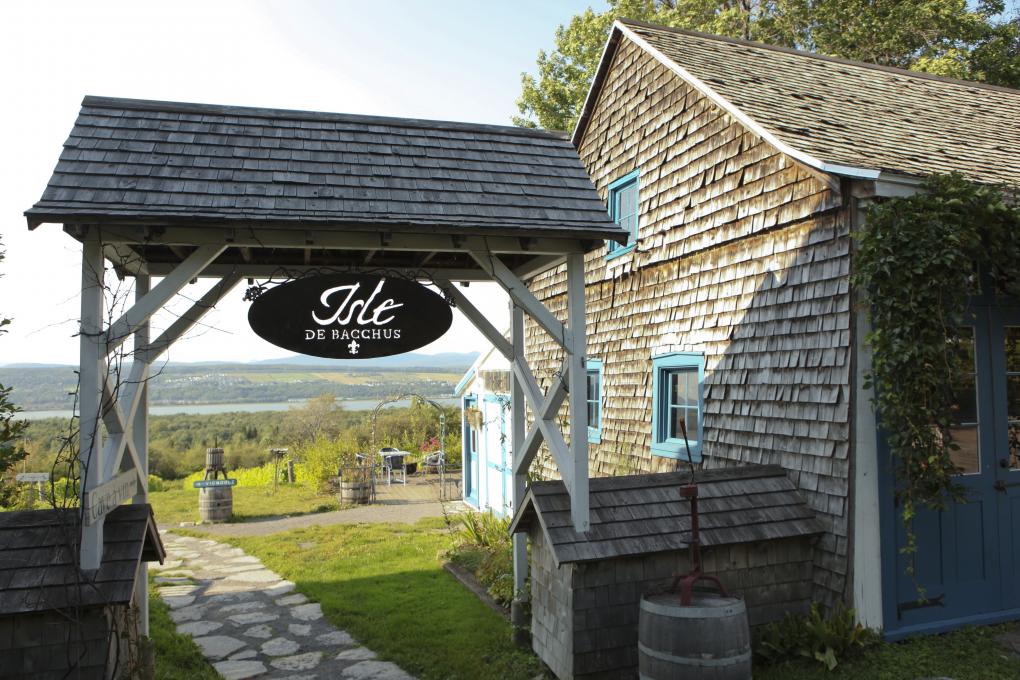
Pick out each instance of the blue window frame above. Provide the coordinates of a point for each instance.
(678, 404)
(594, 398)
(623, 209)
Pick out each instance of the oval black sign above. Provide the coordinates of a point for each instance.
(350, 316)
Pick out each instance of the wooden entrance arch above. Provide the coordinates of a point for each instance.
(187, 191)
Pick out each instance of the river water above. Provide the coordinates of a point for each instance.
(166, 410)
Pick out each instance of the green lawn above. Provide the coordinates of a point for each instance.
(384, 584)
(967, 654)
(181, 505)
(177, 657)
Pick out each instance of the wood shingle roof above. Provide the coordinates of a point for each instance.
(639, 514)
(135, 161)
(37, 558)
(846, 115)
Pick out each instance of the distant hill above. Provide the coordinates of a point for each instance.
(451, 360)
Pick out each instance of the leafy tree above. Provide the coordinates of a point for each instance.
(11, 431)
(944, 37)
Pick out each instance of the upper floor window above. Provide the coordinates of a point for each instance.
(623, 209)
(594, 399)
(678, 405)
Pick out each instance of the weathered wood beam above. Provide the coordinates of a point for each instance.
(522, 297)
(91, 372)
(154, 300)
(180, 252)
(150, 352)
(476, 317)
(576, 378)
(124, 260)
(428, 258)
(328, 239)
(266, 270)
(307, 258)
(369, 255)
(245, 253)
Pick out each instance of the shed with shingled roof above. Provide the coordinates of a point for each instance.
(56, 619)
(756, 531)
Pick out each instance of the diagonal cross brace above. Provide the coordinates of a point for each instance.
(554, 398)
(524, 298)
(163, 292)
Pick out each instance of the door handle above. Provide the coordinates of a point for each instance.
(1003, 463)
(1000, 486)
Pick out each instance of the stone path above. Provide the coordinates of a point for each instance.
(250, 623)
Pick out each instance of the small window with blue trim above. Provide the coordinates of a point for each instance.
(678, 405)
(594, 399)
(623, 209)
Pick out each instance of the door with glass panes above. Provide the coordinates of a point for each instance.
(968, 554)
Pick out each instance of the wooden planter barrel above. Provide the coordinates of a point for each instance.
(215, 504)
(355, 490)
(708, 640)
(214, 459)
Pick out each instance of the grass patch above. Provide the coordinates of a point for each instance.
(967, 654)
(383, 583)
(181, 505)
(176, 656)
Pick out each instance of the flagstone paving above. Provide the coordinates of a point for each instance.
(249, 622)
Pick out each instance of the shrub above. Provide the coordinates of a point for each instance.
(485, 548)
(323, 457)
(822, 639)
(157, 483)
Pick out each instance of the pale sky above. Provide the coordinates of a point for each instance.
(442, 59)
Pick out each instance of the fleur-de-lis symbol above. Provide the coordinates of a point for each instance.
(353, 347)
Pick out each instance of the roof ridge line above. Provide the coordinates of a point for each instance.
(96, 101)
(822, 57)
(730, 108)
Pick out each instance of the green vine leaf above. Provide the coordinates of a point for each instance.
(916, 262)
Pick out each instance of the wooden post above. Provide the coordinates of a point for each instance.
(577, 387)
(92, 377)
(520, 478)
(140, 438)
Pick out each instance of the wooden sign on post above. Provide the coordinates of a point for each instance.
(108, 495)
(32, 477)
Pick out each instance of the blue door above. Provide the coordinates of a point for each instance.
(470, 447)
(967, 555)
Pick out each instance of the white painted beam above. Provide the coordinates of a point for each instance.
(576, 379)
(554, 398)
(154, 300)
(264, 271)
(91, 375)
(276, 237)
(150, 352)
(517, 425)
(139, 428)
(522, 297)
(476, 317)
(549, 427)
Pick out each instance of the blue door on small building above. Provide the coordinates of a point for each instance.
(967, 555)
(470, 448)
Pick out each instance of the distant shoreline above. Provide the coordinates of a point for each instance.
(251, 407)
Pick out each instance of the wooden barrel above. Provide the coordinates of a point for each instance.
(355, 490)
(708, 640)
(214, 459)
(215, 504)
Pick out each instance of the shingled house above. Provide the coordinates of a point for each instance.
(57, 621)
(740, 172)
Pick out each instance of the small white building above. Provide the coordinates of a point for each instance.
(487, 449)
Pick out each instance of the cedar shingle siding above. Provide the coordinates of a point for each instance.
(743, 254)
